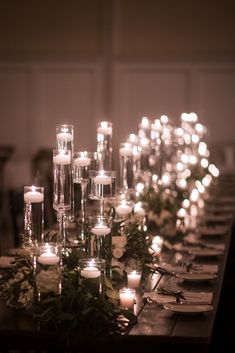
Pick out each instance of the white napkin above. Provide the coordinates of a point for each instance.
(192, 297)
(194, 268)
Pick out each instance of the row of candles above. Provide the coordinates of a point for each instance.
(159, 155)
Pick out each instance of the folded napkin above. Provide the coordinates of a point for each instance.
(192, 297)
(194, 268)
(6, 261)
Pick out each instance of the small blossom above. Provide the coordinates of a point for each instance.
(118, 252)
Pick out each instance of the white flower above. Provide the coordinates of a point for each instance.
(118, 252)
(119, 241)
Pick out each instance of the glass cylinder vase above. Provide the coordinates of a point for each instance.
(33, 215)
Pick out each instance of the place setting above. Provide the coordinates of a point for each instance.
(181, 302)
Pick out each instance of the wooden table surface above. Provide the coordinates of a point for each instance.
(157, 329)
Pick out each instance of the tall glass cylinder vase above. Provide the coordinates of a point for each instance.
(126, 166)
(83, 162)
(100, 244)
(103, 186)
(62, 189)
(104, 145)
(33, 215)
(65, 142)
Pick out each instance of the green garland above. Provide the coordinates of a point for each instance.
(75, 315)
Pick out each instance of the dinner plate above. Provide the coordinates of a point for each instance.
(182, 308)
(195, 277)
(205, 252)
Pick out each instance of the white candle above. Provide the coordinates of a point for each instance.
(126, 152)
(100, 230)
(48, 258)
(123, 209)
(33, 196)
(102, 179)
(90, 272)
(127, 297)
(133, 279)
(61, 159)
(64, 136)
(82, 162)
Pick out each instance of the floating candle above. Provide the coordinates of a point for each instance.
(126, 151)
(48, 258)
(82, 162)
(64, 136)
(102, 179)
(123, 209)
(100, 230)
(33, 197)
(62, 159)
(90, 272)
(105, 128)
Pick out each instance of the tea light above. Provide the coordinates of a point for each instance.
(100, 230)
(123, 209)
(48, 258)
(62, 159)
(64, 136)
(90, 271)
(127, 297)
(82, 161)
(133, 279)
(102, 179)
(33, 197)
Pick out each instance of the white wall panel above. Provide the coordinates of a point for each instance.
(15, 108)
(217, 102)
(149, 90)
(67, 95)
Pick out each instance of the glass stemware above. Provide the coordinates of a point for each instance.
(62, 188)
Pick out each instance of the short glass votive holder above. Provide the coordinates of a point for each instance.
(102, 184)
(133, 279)
(91, 276)
(47, 270)
(33, 215)
(127, 298)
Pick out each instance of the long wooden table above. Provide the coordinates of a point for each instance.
(157, 329)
